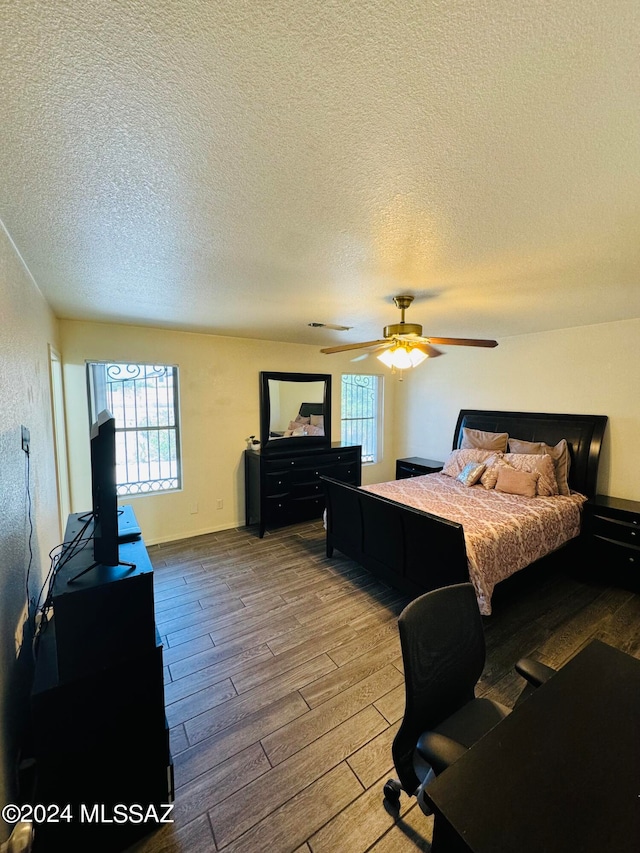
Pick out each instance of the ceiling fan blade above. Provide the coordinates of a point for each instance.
(463, 342)
(432, 352)
(347, 347)
(333, 326)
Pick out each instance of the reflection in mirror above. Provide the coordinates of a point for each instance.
(296, 408)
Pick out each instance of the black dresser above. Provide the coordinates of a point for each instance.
(612, 527)
(283, 486)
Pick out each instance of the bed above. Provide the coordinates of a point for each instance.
(418, 549)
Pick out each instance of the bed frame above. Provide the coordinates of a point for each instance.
(417, 551)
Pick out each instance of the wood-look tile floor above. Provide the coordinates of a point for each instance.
(284, 687)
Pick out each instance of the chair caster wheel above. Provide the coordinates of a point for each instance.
(392, 789)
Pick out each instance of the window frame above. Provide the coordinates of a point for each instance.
(377, 418)
(175, 427)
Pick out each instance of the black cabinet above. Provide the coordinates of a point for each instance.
(99, 732)
(416, 466)
(284, 487)
(612, 539)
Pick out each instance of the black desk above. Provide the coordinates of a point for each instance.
(561, 773)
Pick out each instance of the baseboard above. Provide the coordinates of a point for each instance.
(177, 537)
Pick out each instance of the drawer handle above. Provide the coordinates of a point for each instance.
(317, 473)
(633, 533)
(632, 559)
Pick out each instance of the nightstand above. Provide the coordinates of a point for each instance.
(612, 526)
(416, 466)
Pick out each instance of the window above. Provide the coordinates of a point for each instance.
(143, 398)
(361, 407)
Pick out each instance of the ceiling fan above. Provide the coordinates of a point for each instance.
(404, 345)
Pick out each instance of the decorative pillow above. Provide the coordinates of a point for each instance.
(490, 473)
(513, 482)
(559, 454)
(300, 429)
(483, 440)
(317, 420)
(457, 459)
(540, 464)
(314, 430)
(470, 474)
(301, 420)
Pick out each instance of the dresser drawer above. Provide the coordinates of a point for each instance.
(309, 507)
(346, 457)
(613, 556)
(307, 489)
(279, 510)
(346, 472)
(627, 532)
(278, 482)
(416, 466)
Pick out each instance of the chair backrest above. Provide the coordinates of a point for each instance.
(443, 652)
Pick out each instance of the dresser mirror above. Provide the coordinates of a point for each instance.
(295, 409)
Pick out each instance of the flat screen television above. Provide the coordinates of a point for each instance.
(104, 491)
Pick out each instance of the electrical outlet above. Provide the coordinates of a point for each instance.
(193, 508)
(25, 439)
(219, 503)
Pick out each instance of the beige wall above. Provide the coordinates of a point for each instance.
(591, 369)
(27, 327)
(219, 398)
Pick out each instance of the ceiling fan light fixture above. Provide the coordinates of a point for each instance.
(402, 357)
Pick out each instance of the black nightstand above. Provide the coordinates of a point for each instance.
(612, 527)
(416, 466)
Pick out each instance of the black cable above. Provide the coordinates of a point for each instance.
(30, 539)
(66, 551)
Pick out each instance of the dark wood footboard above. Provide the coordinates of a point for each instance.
(410, 549)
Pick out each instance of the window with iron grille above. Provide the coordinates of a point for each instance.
(361, 408)
(143, 398)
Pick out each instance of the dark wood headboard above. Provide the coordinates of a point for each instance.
(583, 434)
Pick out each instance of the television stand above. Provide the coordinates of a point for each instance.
(94, 566)
(99, 734)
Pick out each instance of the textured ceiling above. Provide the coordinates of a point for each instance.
(245, 168)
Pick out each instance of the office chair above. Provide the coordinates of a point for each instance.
(443, 652)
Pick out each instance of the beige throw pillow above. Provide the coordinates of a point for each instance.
(540, 464)
(514, 482)
(559, 454)
(483, 440)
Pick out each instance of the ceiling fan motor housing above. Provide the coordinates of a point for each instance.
(402, 329)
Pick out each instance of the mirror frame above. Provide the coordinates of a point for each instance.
(269, 444)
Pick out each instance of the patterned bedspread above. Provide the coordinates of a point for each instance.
(503, 533)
